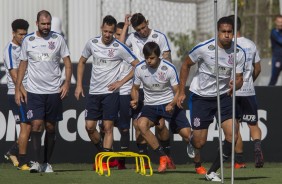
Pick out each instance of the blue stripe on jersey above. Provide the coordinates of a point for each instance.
(165, 38)
(198, 46)
(168, 63)
(27, 35)
(127, 49)
(10, 56)
(137, 66)
(244, 55)
(22, 113)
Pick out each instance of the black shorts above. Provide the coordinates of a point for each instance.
(102, 107)
(247, 109)
(177, 120)
(125, 112)
(204, 109)
(47, 107)
(19, 112)
(136, 112)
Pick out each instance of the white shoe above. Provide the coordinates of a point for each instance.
(47, 168)
(35, 168)
(213, 177)
(190, 150)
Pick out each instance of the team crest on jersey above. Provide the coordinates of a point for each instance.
(54, 36)
(111, 52)
(211, 47)
(29, 114)
(115, 44)
(164, 68)
(51, 45)
(14, 47)
(31, 38)
(230, 59)
(197, 122)
(144, 67)
(161, 76)
(154, 35)
(95, 41)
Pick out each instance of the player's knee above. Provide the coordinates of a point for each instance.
(90, 130)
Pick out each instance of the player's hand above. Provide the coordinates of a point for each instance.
(114, 86)
(64, 90)
(169, 108)
(180, 100)
(230, 92)
(78, 91)
(134, 104)
(19, 97)
(126, 20)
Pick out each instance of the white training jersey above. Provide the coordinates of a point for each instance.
(106, 64)
(136, 43)
(124, 71)
(157, 82)
(43, 56)
(204, 81)
(252, 57)
(12, 61)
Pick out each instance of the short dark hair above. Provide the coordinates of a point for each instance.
(43, 13)
(238, 21)
(19, 24)
(137, 19)
(150, 48)
(225, 20)
(120, 25)
(109, 20)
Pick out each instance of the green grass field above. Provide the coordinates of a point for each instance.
(184, 174)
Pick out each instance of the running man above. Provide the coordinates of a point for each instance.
(203, 99)
(103, 99)
(161, 89)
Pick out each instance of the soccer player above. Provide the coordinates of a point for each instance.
(246, 100)
(103, 99)
(11, 62)
(161, 89)
(203, 99)
(40, 56)
(136, 42)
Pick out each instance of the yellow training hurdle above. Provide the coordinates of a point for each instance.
(139, 162)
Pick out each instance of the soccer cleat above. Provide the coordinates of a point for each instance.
(113, 163)
(12, 158)
(213, 177)
(47, 168)
(190, 150)
(121, 165)
(170, 163)
(258, 158)
(163, 163)
(24, 167)
(239, 165)
(201, 170)
(35, 168)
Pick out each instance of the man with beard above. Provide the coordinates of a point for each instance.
(40, 56)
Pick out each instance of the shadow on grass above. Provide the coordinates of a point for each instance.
(175, 171)
(243, 178)
(70, 170)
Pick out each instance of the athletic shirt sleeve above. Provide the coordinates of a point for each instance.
(241, 61)
(64, 51)
(10, 58)
(256, 58)
(126, 54)
(194, 55)
(23, 55)
(164, 45)
(86, 53)
(136, 79)
(128, 41)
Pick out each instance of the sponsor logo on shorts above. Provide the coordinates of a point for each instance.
(249, 118)
(86, 111)
(29, 114)
(197, 122)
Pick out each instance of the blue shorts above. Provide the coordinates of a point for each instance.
(204, 109)
(102, 107)
(47, 107)
(247, 109)
(125, 112)
(19, 112)
(177, 120)
(136, 112)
